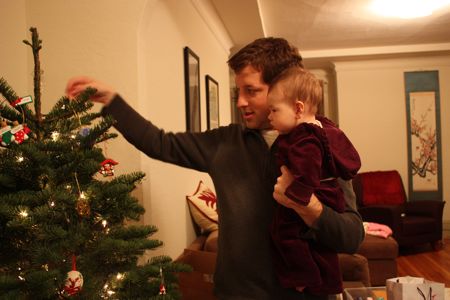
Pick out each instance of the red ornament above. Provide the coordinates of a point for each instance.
(162, 287)
(107, 168)
(22, 101)
(20, 132)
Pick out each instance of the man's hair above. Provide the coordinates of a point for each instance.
(299, 84)
(270, 56)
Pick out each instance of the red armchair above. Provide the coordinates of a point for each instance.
(381, 198)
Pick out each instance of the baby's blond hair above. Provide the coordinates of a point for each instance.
(299, 84)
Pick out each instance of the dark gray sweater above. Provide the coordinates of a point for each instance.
(243, 171)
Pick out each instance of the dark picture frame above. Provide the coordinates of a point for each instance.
(212, 102)
(192, 90)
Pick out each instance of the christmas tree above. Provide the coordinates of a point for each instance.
(64, 229)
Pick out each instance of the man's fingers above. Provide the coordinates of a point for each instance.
(76, 85)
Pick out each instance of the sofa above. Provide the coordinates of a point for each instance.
(374, 262)
(201, 254)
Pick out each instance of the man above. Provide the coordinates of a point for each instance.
(242, 167)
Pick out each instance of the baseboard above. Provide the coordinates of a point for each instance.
(446, 229)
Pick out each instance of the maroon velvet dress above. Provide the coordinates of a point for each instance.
(316, 157)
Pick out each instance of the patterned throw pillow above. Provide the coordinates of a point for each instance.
(202, 205)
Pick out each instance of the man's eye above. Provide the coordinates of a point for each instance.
(251, 91)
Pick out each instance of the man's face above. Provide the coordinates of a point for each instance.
(252, 99)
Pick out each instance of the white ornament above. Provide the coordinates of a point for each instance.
(74, 283)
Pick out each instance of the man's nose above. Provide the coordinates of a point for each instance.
(241, 102)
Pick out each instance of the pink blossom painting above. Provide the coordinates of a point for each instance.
(424, 162)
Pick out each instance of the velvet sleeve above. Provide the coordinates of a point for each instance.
(305, 164)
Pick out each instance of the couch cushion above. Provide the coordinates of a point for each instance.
(381, 187)
(374, 247)
(355, 268)
(202, 205)
(211, 241)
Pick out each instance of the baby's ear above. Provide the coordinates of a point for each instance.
(299, 108)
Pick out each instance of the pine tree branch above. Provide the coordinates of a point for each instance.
(7, 112)
(36, 46)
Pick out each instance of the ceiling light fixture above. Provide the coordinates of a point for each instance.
(407, 9)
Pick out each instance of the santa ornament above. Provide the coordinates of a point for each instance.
(74, 280)
(20, 132)
(107, 167)
(162, 286)
(22, 101)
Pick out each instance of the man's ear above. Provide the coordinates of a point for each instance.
(299, 108)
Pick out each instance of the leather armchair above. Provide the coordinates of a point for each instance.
(381, 198)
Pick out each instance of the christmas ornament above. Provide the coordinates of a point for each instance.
(162, 287)
(83, 207)
(84, 131)
(74, 280)
(22, 101)
(20, 132)
(5, 133)
(107, 168)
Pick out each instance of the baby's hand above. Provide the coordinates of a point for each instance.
(309, 213)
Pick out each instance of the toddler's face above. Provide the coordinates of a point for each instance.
(282, 114)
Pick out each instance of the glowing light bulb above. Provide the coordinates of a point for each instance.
(20, 159)
(407, 9)
(23, 213)
(55, 136)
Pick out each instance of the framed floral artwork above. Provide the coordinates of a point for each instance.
(424, 135)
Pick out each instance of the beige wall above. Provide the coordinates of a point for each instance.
(372, 111)
(13, 53)
(166, 28)
(137, 47)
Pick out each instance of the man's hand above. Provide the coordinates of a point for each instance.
(309, 213)
(77, 85)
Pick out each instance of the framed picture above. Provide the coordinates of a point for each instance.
(192, 90)
(212, 102)
(424, 135)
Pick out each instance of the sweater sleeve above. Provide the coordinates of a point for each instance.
(342, 232)
(190, 150)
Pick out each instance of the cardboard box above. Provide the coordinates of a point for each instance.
(365, 293)
(198, 284)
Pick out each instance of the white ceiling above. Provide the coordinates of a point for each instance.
(334, 28)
